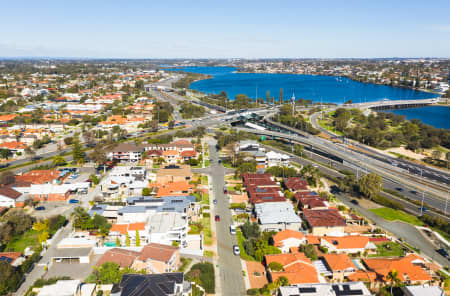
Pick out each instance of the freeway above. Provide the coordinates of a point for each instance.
(363, 164)
(439, 176)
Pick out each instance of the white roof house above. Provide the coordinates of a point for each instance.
(277, 216)
(328, 289)
(61, 288)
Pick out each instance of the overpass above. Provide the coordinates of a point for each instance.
(396, 104)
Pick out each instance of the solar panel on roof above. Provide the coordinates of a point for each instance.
(7, 259)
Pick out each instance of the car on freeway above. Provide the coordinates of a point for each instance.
(236, 250)
(399, 189)
(413, 192)
(217, 218)
(40, 208)
(444, 253)
(423, 209)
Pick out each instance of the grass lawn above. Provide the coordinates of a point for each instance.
(205, 199)
(241, 239)
(324, 124)
(209, 254)
(204, 180)
(28, 239)
(227, 165)
(230, 188)
(206, 222)
(396, 215)
(207, 163)
(184, 264)
(388, 249)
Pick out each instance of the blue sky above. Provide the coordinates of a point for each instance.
(218, 29)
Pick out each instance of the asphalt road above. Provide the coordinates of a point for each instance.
(406, 231)
(232, 282)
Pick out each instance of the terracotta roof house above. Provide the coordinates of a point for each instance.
(340, 265)
(40, 176)
(296, 184)
(323, 222)
(124, 258)
(297, 268)
(350, 244)
(260, 180)
(410, 269)
(8, 196)
(120, 231)
(288, 238)
(180, 188)
(188, 154)
(158, 258)
(265, 194)
(308, 200)
(13, 258)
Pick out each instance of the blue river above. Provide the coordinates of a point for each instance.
(328, 89)
(316, 88)
(437, 116)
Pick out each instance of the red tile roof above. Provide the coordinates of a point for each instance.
(157, 252)
(339, 262)
(328, 217)
(297, 268)
(9, 192)
(122, 257)
(286, 234)
(296, 184)
(188, 153)
(39, 176)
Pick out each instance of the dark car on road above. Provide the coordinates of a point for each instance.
(225, 190)
(444, 253)
(217, 218)
(40, 208)
(354, 201)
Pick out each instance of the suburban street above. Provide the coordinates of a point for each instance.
(232, 281)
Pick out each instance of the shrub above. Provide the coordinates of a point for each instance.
(206, 215)
(275, 266)
(203, 274)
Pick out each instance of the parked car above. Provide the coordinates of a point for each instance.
(73, 201)
(217, 218)
(354, 201)
(225, 190)
(236, 250)
(215, 201)
(40, 208)
(232, 229)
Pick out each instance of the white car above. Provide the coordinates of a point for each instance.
(233, 229)
(236, 250)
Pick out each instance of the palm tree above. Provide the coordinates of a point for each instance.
(393, 278)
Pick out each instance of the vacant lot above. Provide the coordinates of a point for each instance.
(395, 215)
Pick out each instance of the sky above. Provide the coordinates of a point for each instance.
(225, 28)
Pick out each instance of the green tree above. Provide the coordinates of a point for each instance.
(59, 160)
(146, 191)
(9, 278)
(138, 239)
(251, 230)
(117, 242)
(370, 185)
(98, 155)
(282, 281)
(309, 251)
(392, 277)
(5, 153)
(77, 151)
(127, 240)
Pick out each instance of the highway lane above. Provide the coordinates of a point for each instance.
(431, 173)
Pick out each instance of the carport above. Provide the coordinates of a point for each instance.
(72, 255)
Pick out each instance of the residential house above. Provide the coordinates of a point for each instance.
(166, 284)
(277, 216)
(125, 153)
(9, 197)
(12, 258)
(61, 288)
(107, 211)
(349, 244)
(168, 227)
(340, 266)
(121, 231)
(296, 184)
(287, 239)
(326, 289)
(423, 290)
(258, 194)
(410, 269)
(171, 156)
(174, 173)
(14, 148)
(177, 188)
(323, 222)
(188, 154)
(158, 258)
(297, 268)
(276, 159)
